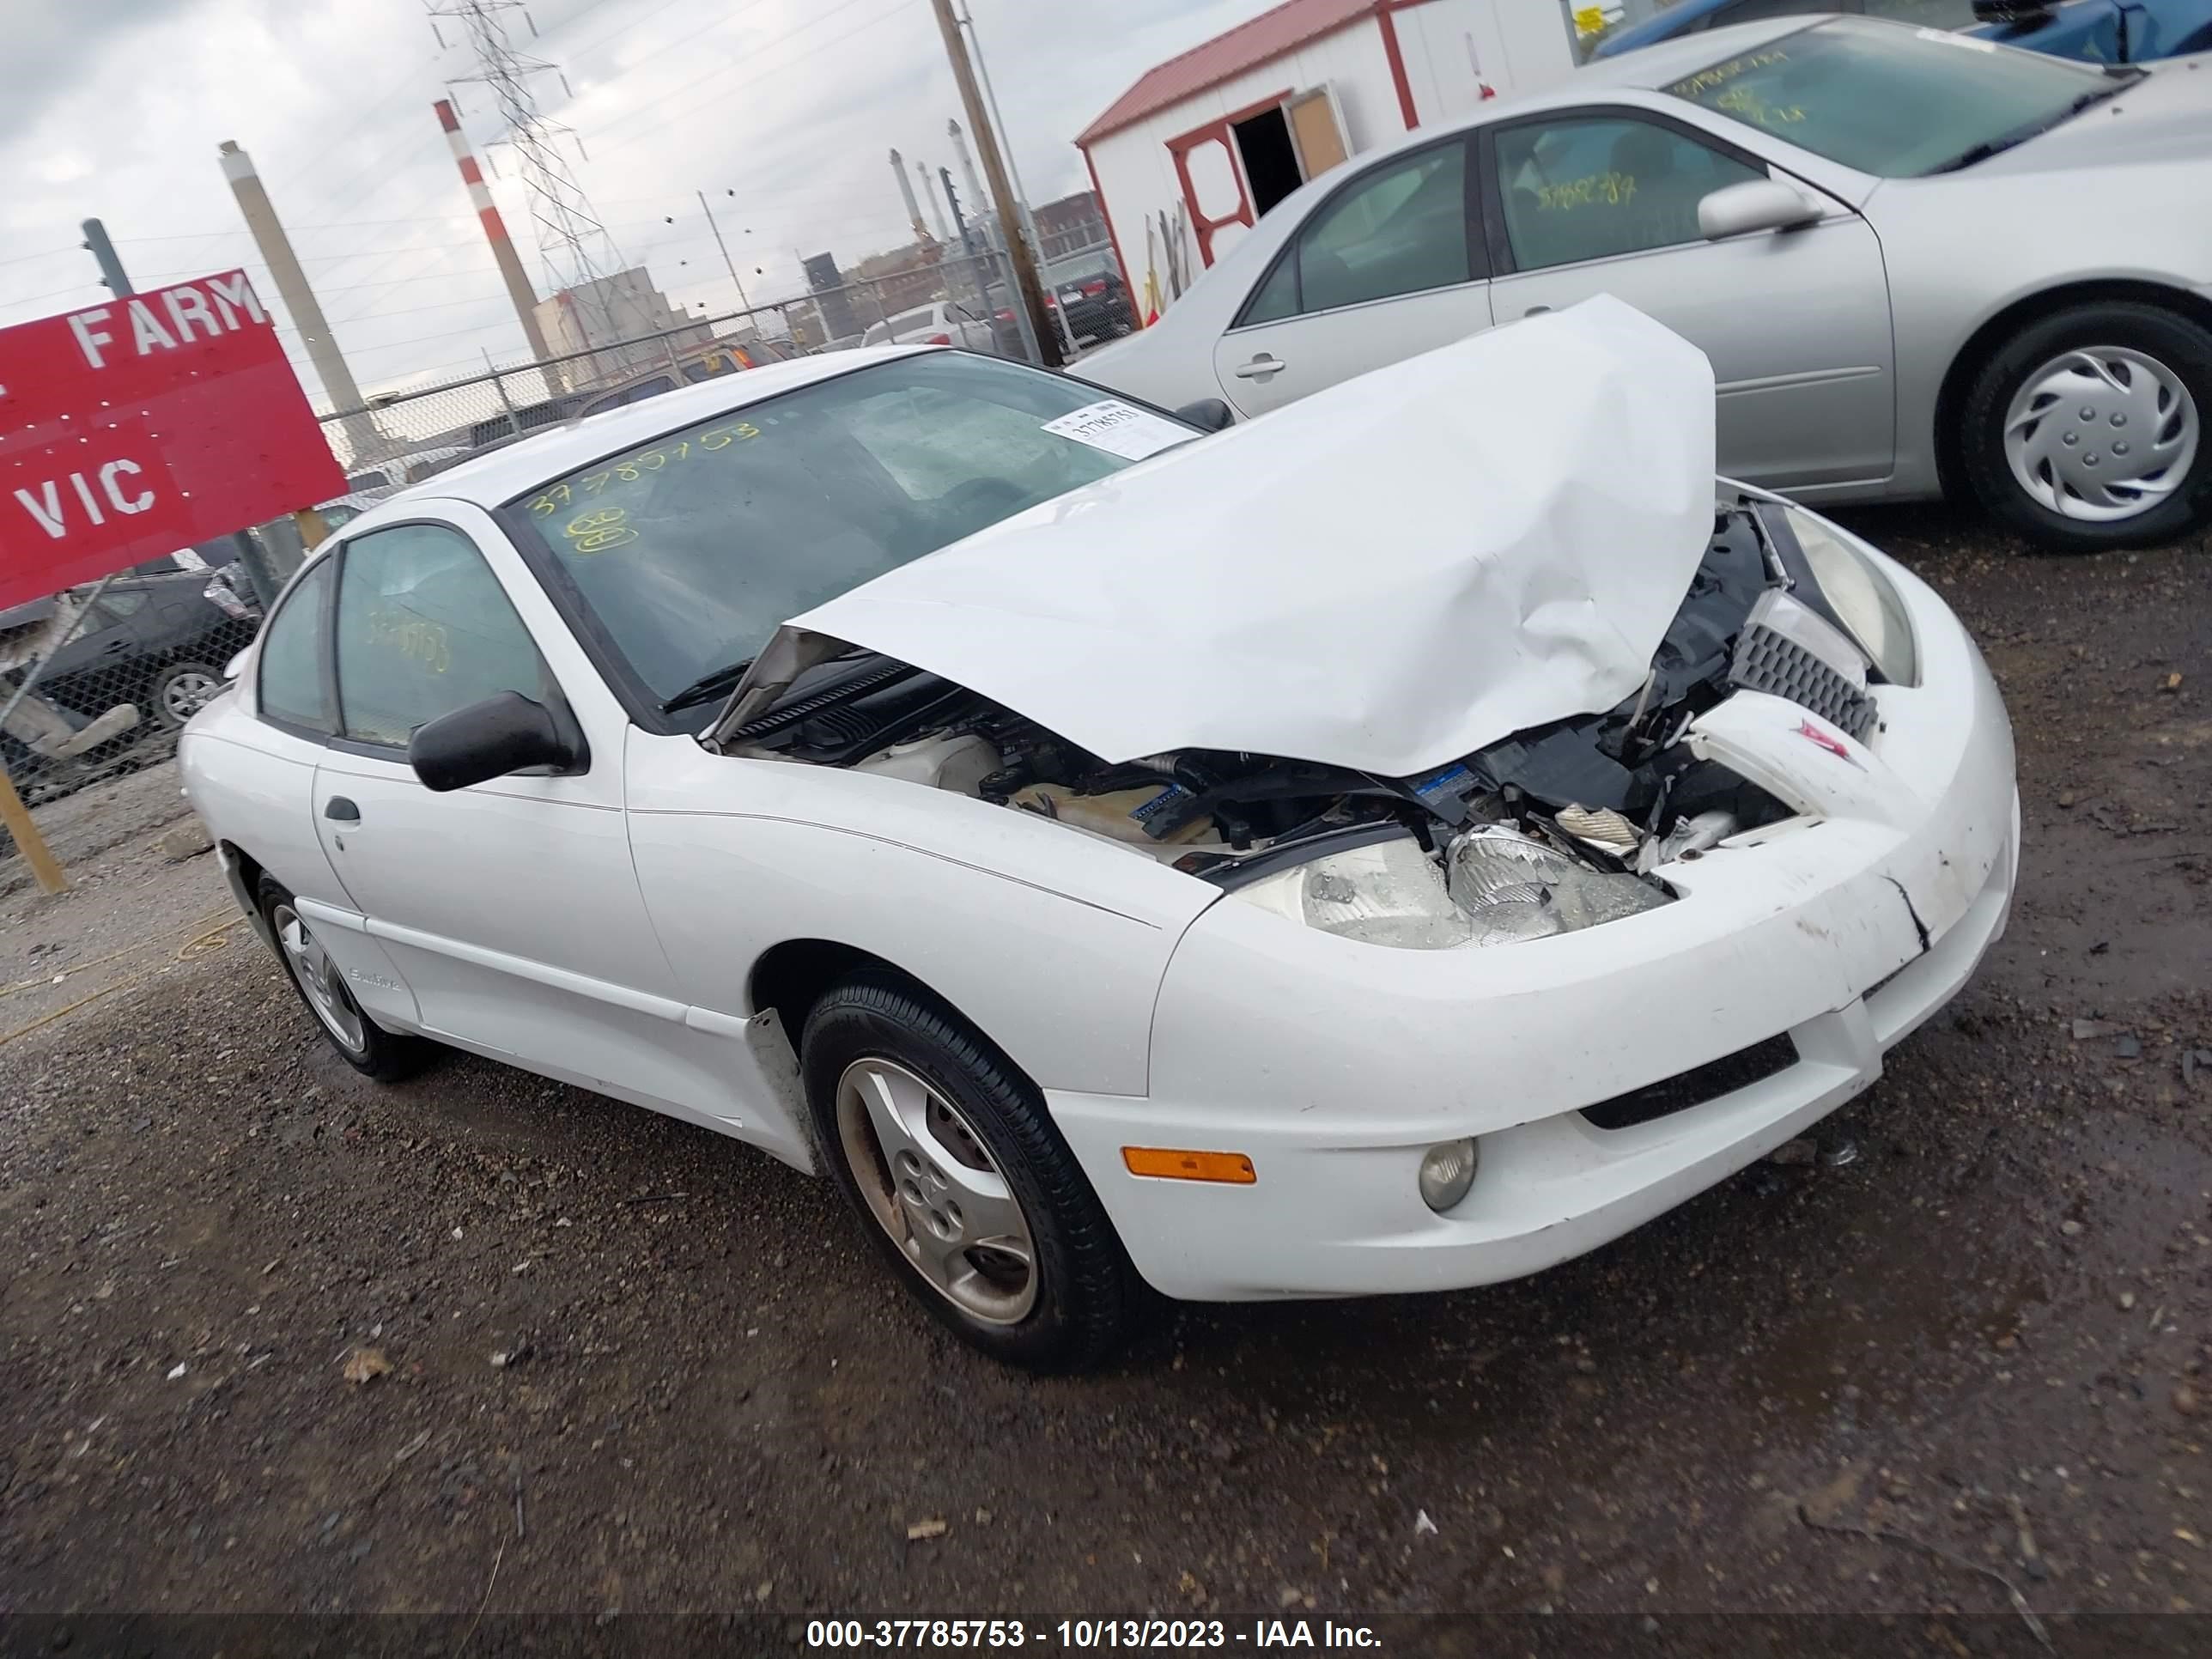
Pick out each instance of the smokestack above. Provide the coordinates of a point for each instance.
(906, 190)
(979, 207)
(936, 206)
(503, 246)
(292, 287)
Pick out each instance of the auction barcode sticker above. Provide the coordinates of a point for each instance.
(1120, 428)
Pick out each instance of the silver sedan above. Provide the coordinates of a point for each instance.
(1920, 262)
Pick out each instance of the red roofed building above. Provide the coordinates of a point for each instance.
(1206, 142)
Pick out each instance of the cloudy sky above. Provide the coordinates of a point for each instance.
(782, 110)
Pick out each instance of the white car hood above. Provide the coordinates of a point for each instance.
(1385, 576)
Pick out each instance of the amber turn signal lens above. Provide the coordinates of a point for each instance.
(1170, 1163)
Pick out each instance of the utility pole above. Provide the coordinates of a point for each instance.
(995, 246)
(743, 304)
(1013, 168)
(1029, 289)
(103, 253)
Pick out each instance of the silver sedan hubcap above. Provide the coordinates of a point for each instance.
(187, 694)
(933, 1186)
(317, 976)
(2101, 433)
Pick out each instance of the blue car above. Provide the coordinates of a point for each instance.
(2095, 31)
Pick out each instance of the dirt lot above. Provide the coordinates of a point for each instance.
(633, 1367)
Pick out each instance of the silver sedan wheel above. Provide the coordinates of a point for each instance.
(185, 695)
(930, 1182)
(319, 980)
(2101, 433)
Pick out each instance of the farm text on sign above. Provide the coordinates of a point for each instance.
(151, 422)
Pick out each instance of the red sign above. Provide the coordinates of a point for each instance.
(133, 427)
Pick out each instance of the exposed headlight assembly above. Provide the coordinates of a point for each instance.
(1860, 595)
(1502, 885)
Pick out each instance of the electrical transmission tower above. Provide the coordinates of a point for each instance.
(573, 244)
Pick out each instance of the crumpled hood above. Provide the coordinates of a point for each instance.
(1386, 576)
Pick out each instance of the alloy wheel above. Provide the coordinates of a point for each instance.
(933, 1187)
(2101, 433)
(185, 695)
(319, 980)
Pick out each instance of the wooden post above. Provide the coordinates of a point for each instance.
(29, 843)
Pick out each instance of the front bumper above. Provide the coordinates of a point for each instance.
(1334, 1065)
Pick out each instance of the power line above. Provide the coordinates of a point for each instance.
(778, 69)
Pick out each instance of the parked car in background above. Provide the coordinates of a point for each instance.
(156, 641)
(1095, 303)
(941, 322)
(1919, 264)
(1014, 804)
(2094, 31)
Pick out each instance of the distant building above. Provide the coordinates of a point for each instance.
(898, 281)
(615, 318)
(834, 305)
(1073, 224)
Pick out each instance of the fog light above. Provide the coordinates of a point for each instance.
(1447, 1171)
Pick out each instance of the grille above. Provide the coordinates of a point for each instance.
(1696, 1086)
(1771, 662)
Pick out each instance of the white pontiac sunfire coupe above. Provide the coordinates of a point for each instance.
(1400, 844)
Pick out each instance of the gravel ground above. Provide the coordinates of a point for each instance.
(625, 1366)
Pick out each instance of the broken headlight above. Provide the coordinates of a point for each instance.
(1859, 594)
(1496, 885)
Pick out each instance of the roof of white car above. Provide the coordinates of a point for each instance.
(501, 475)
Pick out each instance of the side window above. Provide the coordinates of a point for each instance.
(1400, 229)
(1597, 189)
(424, 627)
(293, 687)
(119, 604)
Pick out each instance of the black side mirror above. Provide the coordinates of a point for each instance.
(490, 740)
(1208, 415)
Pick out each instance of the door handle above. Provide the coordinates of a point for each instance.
(1258, 368)
(340, 810)
(1535, 311)
(115, 647)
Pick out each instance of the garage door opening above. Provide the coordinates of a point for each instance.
(1271, 160)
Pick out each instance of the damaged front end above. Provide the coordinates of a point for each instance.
(1556, 828)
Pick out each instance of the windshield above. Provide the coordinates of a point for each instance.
(693, 550)
(1895, 102)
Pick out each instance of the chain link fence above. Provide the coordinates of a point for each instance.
(403, 437)
(96, 682)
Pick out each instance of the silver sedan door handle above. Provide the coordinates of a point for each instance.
(1258, 368)
(1535, 311)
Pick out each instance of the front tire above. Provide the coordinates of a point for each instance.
(387, 1056)
(962, 1179)
(2087, 430)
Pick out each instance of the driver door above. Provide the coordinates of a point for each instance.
(1796, 323)
(511, 908)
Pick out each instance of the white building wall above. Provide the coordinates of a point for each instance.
(1452, 48)
(1137, 174)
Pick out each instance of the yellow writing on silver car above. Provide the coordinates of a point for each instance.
(1608, 189)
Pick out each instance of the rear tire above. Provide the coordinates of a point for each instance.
(2060, 424)
(387, 1056)
(180, 690)
(962, 1180)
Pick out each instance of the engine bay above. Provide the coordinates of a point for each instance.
(1611, 795)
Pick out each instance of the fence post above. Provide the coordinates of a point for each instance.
(514, 420)
(16, 819)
